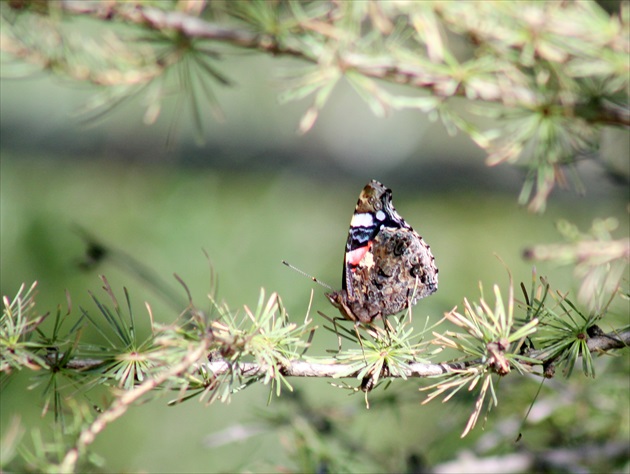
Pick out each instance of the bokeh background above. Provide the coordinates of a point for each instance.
(254, 193)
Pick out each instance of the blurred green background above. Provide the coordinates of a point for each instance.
(255, 193)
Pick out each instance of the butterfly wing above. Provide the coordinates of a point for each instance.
(387, 265)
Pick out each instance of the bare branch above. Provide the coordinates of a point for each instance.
(600, 342)
(597, 342)
(301, 368)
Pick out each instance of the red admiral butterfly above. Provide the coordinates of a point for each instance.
(387, 265)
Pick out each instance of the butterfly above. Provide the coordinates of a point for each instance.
(387, 265)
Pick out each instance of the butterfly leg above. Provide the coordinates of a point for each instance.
(356, 330)
(388, 329)
(334, 321)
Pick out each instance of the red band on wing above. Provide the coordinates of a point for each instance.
(355, 256)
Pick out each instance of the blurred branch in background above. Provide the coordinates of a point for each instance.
(550, 74)
(600, 262)
(569, 459)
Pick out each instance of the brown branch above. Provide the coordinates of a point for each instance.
(605, 113)
(194, 27)
(187, 25)
(597, 342)
(377, 68)
(299, 368)
(296, 368)
(600, 342)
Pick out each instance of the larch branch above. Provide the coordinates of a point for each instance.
(385, 69)
(300, 368)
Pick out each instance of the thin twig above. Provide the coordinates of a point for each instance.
(121, 404)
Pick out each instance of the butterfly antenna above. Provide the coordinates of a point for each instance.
(307, 275)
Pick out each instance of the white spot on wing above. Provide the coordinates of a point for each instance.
(380, 215)
(362, 220)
